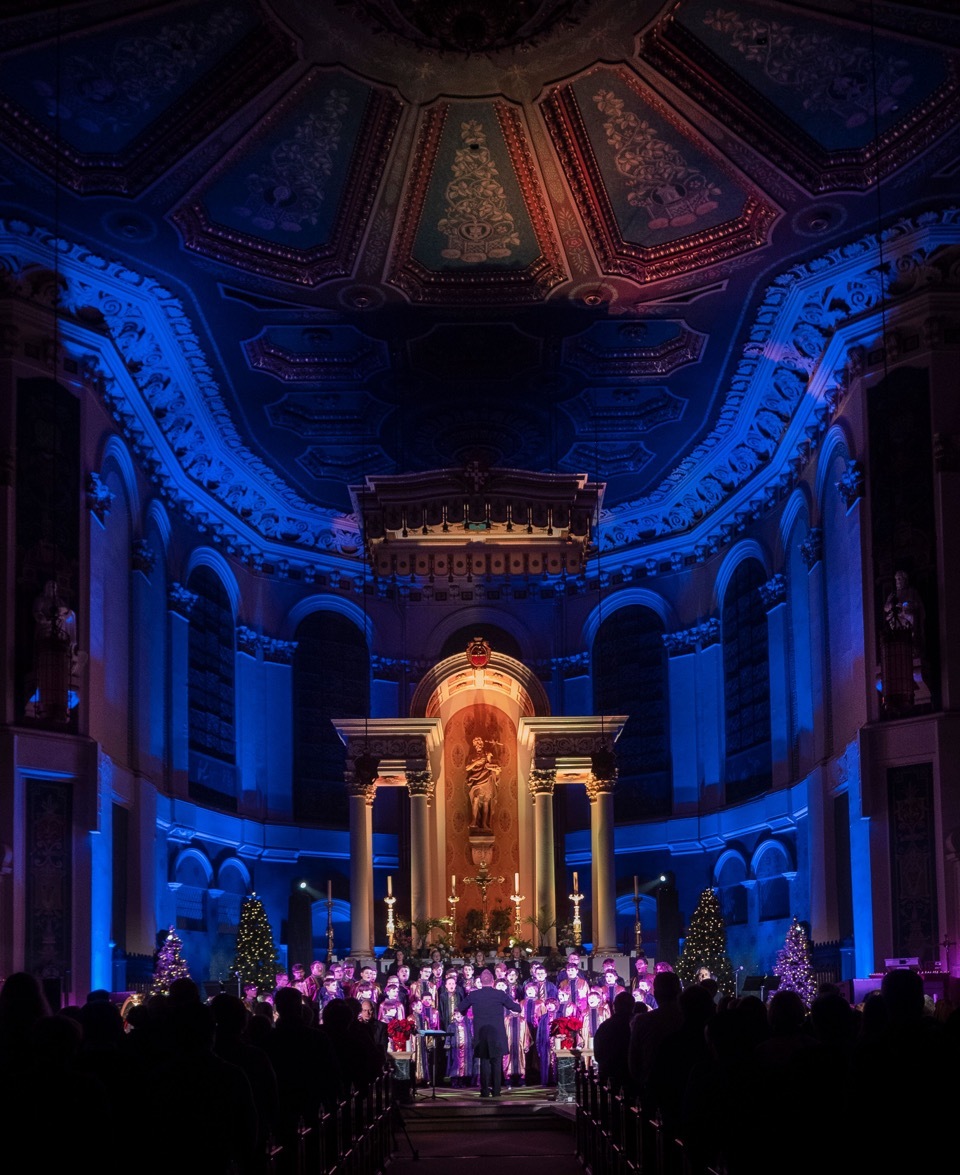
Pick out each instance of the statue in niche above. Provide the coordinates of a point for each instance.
(483, 782)
(56, 659)
(903, 611)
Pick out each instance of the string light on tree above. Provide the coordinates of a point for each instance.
(793, 965)
(170, 964)
(705, 945)
(256, 960)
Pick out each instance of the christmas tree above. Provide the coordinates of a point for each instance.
(170, 964)
(256, 959)
(793, 965)
(705, 945)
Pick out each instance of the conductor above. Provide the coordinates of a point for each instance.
(489, 1032)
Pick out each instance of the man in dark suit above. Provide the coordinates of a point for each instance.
(489, 1032)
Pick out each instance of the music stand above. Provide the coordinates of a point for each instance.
(761, 984)
(435, 1033)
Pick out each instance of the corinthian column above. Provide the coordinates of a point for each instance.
(600, 793)
(420, 785)
(361, 792)
(541, 784)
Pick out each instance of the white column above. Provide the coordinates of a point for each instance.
(541, 784)
(361, 869)
(420, 786)
(605, 893)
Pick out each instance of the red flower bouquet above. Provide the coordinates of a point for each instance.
(400, 1032)
(568, 1029)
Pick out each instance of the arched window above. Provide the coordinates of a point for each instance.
(774, 886)
(746, 683)
(731, 890)
(331, 679)
(211, 693)
(630, 677)
(191, 892)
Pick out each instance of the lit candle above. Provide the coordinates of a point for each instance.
(329, 891)
(389, 886)
(453, 883)
(575, 887)
(636, 888)
(516, 883)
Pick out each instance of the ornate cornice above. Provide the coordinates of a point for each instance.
(255, 644)
(572, 665)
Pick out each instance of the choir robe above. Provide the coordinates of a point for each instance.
(459, 1046)
(518, 1041)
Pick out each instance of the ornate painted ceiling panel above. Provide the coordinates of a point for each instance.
(657, 200)
(304, 244)
(826, 97)
(110, 109)
(475, 219)
(292, 201)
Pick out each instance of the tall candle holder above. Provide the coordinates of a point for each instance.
(516, 898)
(637, 928)
(576, 897)
(452, 900)
(329, 927)
(389, 901)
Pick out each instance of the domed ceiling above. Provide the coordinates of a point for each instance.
(338, 241)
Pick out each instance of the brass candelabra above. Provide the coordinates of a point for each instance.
(577, 897)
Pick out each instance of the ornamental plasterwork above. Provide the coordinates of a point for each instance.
(99, 497)
(811, 549)
(143, 557)
(180, 600)
(490, 282)
(690, 640)
(851, 484)
(784, 388)
(138, 351)
(541, 781)
(164, 396)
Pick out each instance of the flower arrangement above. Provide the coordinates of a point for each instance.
(568, 1029)
(400, 1032)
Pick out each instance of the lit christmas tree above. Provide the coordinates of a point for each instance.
(705, 945)
(256, 959)
(793, 965)
(170, 965)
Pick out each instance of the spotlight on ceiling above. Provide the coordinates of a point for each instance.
(303, 885)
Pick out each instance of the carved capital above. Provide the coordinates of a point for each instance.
(773, 592)
(946, 452)
(542, 781)
(361, 789)
(142, 556)
(688, 640)
(573, 665)
(99, 497)
(811, 549)
(278, 651)
(180, 600)
(248, 640)
(420, 783)
(850, 485)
